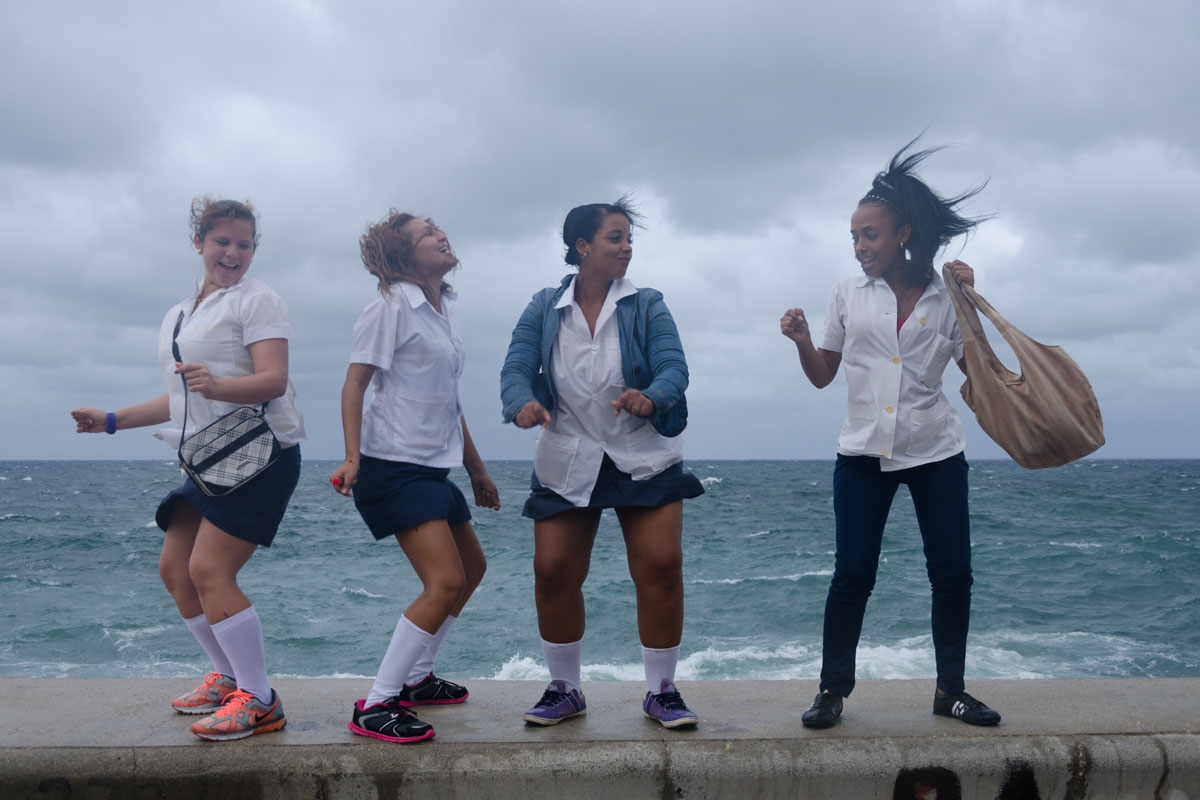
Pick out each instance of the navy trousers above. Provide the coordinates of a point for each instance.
(862, 497)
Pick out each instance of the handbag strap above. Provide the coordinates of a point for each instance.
(179, 360)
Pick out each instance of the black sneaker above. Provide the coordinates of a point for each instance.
(433, 691)
(388, 721)
(824, 711)
(963, 706)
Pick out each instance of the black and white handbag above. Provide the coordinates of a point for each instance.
(230, 450)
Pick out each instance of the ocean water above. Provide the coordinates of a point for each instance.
(1089, 570)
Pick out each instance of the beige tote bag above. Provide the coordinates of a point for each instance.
(1045, 417)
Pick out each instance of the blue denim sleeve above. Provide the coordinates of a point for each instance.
(665, 352)
(524, 360)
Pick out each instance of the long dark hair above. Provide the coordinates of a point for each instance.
(934, 219)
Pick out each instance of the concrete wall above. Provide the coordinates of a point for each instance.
(1059, 739)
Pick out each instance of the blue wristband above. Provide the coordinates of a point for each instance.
(110, 423)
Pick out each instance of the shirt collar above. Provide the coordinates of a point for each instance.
(216, 292)
(416, 295)
(622, 287)
(937, 284)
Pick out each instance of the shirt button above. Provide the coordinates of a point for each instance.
(889, 409)
(595, 347)
(895, 359)
(885, 453)
(922, 320)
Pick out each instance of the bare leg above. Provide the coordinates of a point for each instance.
(216, 559)
(178, 542)
(432, 549)
(654, 546)
(562, 555)
(474, 563)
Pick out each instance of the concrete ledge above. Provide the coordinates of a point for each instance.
(1070, 739)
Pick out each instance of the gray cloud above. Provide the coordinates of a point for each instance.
(748, 132)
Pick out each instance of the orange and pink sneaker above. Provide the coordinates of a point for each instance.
(242, 715)
(207, 697)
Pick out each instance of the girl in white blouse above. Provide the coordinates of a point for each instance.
(895, 330)
(233, 337)
(399, 452)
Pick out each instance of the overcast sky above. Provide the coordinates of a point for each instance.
(747, 130)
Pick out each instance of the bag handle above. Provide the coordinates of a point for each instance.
(966, 302)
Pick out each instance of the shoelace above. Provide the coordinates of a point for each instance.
(825, 700)
(235, 702)
(671, 700)
(550, 698)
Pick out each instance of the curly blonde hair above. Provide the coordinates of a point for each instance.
(208, 211)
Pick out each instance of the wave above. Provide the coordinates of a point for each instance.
(817, 573)
(360, 592)
(709, 481)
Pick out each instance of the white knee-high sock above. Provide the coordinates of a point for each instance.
(424, 665)
(241, 638)
(408, 644)
(203, 632)
(659, 664)
(564, 660)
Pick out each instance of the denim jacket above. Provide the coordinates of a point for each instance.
(652, 358)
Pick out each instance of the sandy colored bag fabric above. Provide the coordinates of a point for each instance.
(1045, 417)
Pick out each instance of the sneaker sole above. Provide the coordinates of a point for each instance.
(208, 709)
(820, 726)
(399, 739)
(268, 727)
(536, 720)
(990, 724)
(675, 723)
(444, 702)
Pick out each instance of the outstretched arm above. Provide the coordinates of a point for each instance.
(152, 412)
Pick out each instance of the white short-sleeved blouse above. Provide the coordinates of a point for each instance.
(414, 414)
(218, 333)
(896, 409)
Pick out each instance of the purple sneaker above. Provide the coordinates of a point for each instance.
(668, 708)
(556, 705)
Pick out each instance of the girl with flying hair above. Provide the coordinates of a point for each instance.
(894, 328)
(399, 452)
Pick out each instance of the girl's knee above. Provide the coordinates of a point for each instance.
(174, 575)
(447, 586)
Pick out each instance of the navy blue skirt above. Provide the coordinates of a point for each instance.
(616, 489)
(393, 496)
(253, 511)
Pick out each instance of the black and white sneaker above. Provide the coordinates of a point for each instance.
(963, 706)
(433, 691)
(388, 721)
(824, 711)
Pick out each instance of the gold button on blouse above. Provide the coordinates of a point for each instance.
(889, 409)
(895, 359)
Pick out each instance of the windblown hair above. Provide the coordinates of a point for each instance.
(208, 211)
(387, 250)
(582, 222)
(934, 219)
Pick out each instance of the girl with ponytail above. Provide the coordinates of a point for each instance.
(894, 327)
